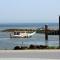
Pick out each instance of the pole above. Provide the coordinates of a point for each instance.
(59, 31)
(46, 35)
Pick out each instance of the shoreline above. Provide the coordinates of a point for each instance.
(38, 30)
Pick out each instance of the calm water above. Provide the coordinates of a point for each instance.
(39, 39)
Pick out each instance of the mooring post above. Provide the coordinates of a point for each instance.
(59, 31)
(46, 35)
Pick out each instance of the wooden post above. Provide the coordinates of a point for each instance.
(46, 35)
(59, 31)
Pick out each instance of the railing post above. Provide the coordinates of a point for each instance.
(46, 35)
(59, 31)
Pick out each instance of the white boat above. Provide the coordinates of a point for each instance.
(21, 34)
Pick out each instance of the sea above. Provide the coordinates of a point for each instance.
(7, 43)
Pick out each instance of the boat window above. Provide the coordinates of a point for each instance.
(18, 33)
(15, 33)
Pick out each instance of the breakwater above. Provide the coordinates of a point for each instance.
(42, 31)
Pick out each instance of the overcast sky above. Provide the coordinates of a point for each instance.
(27, 11)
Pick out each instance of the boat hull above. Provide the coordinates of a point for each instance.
(22, 35)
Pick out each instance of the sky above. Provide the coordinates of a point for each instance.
(29, 11)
